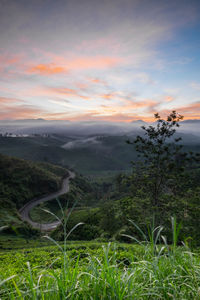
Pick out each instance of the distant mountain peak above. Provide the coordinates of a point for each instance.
(28, 120)
(139, 122)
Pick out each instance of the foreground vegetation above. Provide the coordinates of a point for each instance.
(102, 271)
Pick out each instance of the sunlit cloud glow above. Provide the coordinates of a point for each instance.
(45, 69)
(114, 60)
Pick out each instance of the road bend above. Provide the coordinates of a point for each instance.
(25, 210)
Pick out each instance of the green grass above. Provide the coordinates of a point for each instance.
(148, 270)
(100, 271)
(17, 242)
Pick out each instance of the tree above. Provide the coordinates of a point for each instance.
(161, 159)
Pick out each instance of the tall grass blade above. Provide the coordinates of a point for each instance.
(81, 223)
(139, 229)
(7, 279)
(53, 241)
(51, 213)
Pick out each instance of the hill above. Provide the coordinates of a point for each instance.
(20, 181)
(96, 154)
(106, 153)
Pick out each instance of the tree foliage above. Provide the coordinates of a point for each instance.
(159, 155)
(162, 162)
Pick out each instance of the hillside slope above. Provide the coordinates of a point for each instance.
(90, 155)
(107, 154)
(21, 181)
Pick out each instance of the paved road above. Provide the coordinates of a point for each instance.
(25, 210)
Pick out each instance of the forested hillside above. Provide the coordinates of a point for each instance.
(21, 181)
(91, 155)
(107, 153)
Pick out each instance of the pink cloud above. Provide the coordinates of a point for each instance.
(93, 62)
(96, 80)
(61, 64)
(9, 64)
(168, 98)
(95, 116)
(9, 101)
(118, 113)
(108, 96)
(7, 60)
(46, 69)
(12, 108)
(54, 92)
(68, 92)
(191, 111)
(88, 62)
(20, 112)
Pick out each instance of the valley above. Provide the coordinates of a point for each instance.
(91, 197)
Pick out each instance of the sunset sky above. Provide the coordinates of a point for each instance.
(114, 60)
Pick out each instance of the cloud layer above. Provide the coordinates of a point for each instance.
(99, 60)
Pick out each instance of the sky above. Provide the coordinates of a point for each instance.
(108, 60)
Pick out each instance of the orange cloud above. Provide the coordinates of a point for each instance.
(191, 111)
(47, 69)
(20, 112)
(53, 91)
(96, 116)
(95, 80)
(61, 64)
(193, 108)
(8, 60)
(168, 98)
(68, 92)
(108, 96)
(127, 104)
(126, 113)
(9, 64)
(8, 101)
(121, 112)
(88, 62)
(93, 62)
(12, 108)
(82, 86)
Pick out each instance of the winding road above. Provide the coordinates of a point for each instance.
(25, 210)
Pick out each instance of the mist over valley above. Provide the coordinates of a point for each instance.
(87, 147)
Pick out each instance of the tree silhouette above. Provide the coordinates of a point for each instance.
(161, 159)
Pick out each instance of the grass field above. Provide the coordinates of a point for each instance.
(94, 270)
